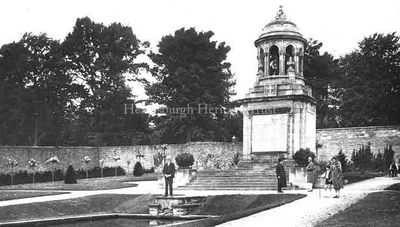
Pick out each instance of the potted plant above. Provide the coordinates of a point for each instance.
(184, 173)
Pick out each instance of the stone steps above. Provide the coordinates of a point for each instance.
(259, 177)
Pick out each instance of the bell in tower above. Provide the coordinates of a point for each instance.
(279, 114)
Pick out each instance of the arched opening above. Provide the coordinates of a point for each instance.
(261, 62)
(273, 60)
(289, 58)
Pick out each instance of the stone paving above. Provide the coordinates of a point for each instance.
(303, 212)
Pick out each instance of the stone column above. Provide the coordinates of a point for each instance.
(281, 62)
(301, 62)
(266, 63)
(296, 60)
(246, 134)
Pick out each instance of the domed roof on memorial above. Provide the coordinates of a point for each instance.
(280, 26)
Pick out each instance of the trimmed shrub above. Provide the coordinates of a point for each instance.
(70, 177)
(363, 158)
(341, 157)
(23, 177)
(96, 172)
(388, 155)
(301, 156)
(379, 162)
(151, 170)
(138, 170)
(184, 160)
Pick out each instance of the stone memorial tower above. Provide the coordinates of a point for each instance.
(279, 114)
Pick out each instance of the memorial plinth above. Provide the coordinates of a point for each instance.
(279, 114)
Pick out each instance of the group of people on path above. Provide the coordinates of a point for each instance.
(333, 175)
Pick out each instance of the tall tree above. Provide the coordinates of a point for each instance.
(369, 87)
(36, 92)
(191, 71)
(103, 58)
(320, 72)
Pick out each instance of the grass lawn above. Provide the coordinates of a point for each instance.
(229, 206)
(377, 209)
(103, 203)
(356, 176)
(232, 207)
(85, 184)
(9, 195)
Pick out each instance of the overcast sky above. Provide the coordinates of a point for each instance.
(339, 24)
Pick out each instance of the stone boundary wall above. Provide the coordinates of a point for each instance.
(347, 139)
(66, 155)
(208, 155)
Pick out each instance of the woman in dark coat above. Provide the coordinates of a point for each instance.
(337, 177)
(310, 173)
(281, 175)
(393, 170)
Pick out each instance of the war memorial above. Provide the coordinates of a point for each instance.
(279, 119)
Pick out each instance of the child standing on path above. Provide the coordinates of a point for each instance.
(328, 178)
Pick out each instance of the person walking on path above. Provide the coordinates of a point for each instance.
(310, 173)
(169, 174)
(337, 177)
(281, 175)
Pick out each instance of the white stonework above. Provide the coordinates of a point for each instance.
(279, 114)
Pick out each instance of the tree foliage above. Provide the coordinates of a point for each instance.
(301, 156)
(36, 92)
(191, 72)
(71, 93)
(320, 72)
(368, 89)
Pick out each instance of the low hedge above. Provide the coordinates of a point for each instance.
(23, 177)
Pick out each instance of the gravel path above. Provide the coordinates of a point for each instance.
(313, 208)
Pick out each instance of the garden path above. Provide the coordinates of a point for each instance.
(314, 208)
(303, 212)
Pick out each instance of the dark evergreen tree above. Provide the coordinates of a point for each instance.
(191, 71)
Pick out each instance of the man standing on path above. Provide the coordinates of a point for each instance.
(169, 173)
(281, 174)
